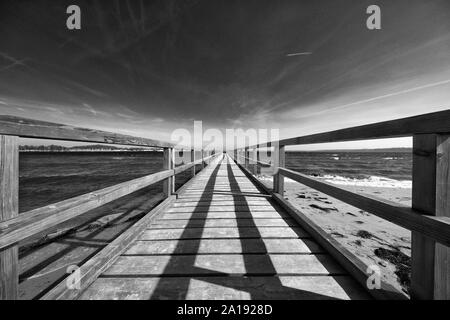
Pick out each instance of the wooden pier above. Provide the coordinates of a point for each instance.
(225, 235)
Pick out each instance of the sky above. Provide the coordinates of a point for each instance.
(146, 68)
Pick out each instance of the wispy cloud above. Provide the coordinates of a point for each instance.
(298, 54)
(13, 62)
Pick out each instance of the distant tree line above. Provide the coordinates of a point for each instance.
(56, 148)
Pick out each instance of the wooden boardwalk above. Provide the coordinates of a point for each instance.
(223, 238)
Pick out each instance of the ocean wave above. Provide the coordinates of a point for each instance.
(371, 181)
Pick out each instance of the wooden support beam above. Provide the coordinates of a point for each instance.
(258, 159)
(279, 162)
(430, 123)
(193, 160)
(247, 156)
(442, 258)
(28, 128)
(9, 208)
(168, 164)
(430, 278)
(203, 162)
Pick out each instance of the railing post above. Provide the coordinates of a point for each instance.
(193, 160)
(430, 277)
(247, 156)
(279, 161)
(168, 164)
(203, 162)
(9, 208)
(235, 155)
(258, 159)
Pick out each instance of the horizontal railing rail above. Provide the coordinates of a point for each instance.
(15, 227)
(27, 128)
(403, 216)
(429, 216)
(261, 163)
(431, 123)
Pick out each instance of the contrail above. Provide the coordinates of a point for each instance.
(435, 84)
(14, 62)
(298, 54)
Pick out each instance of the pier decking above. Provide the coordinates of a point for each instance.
(224, 239)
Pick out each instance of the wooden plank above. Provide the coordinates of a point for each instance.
(193, 160)
(227, 288)
(442, 258)
(254, 264)
(9, 209)
(246, 157)
(424, 202)
(193, 204)
(224, 246)
(213, 197)
(223, 208)
(203, 156)
(28, 128)
(437, 228)
(168, 183)
(222, 215)
(279, 162)
(223, 233)
(35, 221)
(221, 187)
(258, 160)
(90, 270)
(430, 123)
(222, 223)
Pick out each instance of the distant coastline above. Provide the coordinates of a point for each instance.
(107, 148)
(86, 148)
(406, 149)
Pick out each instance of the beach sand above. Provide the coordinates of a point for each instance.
(373, 240)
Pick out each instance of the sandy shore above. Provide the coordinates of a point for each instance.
(372, 239)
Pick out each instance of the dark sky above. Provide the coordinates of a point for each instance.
(148, 67)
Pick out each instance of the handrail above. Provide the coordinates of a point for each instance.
(28, 128)
(261, 163)
(189, 165)
(404, 216)
(430, 123)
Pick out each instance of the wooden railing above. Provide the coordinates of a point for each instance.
(15, 228)
(429, 216)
